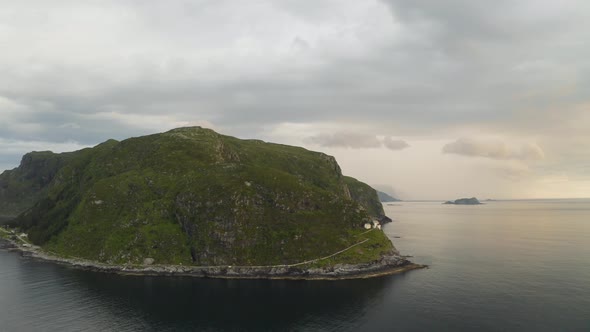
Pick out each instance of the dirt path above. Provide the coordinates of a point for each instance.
(218, 266)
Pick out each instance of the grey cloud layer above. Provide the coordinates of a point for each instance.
(494, 149)
(89, 71)
(356, 141)
(395, 144)
(437, 65)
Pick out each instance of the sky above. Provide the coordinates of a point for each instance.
(425, 99)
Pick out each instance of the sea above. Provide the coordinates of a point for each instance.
(502, 266)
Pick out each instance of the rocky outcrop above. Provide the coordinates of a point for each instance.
(464, 201)
(6, 244)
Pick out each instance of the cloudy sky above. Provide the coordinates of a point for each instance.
(431, 99)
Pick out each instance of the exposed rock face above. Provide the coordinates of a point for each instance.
(464, 201)
(367, 197)
(194, 197)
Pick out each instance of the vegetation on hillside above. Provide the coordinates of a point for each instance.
(192, 196)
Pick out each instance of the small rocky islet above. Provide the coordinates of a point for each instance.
(194, 202)
(464, 201)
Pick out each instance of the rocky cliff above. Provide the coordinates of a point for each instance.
(367, 197)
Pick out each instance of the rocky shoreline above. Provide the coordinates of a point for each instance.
(386, 266)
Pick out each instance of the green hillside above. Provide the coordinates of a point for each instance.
(192, 196)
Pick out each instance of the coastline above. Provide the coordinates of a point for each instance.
(388, 265)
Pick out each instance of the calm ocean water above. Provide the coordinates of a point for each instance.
(503, 266)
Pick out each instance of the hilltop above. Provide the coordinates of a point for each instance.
(193, 197)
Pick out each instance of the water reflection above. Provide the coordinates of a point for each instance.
(501, 266)
(255, 304)
(173, 303)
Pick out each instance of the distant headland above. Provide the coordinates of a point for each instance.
(386, 198)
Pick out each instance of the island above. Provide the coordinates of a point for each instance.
(464, 201)
(197, 203)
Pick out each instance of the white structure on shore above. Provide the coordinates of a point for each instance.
(374, 224)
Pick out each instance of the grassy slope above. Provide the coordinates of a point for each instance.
(192, 196)
(378, 244)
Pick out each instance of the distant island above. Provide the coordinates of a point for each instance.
(386, 198)
(464, 201)
(193, 202)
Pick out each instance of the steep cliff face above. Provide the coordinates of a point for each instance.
(193, 196)
(21, 187)
(367, 197)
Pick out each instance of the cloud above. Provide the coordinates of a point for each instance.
(412, 66)
(531, 151)
(516, 171)
(493, 149)
(150, 122)
(356, 141)
(346, 140)
(300, 45)
(395, 144)
(87, 71)
(22, 147)
(11, 151)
